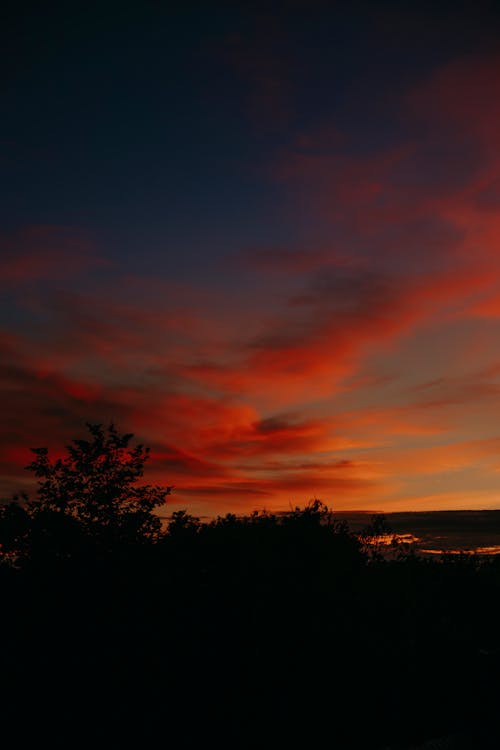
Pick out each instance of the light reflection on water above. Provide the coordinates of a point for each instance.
(393, 542)
(429, 533)
(492, 550)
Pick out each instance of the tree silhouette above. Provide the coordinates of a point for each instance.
(286, 620)
(89, 495)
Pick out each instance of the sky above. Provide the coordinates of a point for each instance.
(264, 238)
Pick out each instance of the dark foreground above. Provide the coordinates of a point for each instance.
(264, 631)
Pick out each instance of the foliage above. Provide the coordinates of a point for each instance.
(267, 629)
(91, 494)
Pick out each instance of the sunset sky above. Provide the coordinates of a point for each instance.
(263, 237)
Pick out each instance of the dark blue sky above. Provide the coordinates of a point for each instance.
(154, 128)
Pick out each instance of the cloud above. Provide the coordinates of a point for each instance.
(46, 253)
(459, 100)
(290, 261)
(472, 388)
(441, 459)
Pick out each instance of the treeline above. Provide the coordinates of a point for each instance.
(258, 631)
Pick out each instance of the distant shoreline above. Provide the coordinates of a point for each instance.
(440, 530)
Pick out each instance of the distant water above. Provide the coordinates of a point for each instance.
(433, 532)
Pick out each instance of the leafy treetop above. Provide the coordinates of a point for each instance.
(93, 491)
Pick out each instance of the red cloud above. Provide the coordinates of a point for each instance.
(461, 100)
(288, 260)
(46, 253)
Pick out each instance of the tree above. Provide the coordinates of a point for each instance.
(92, 493)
